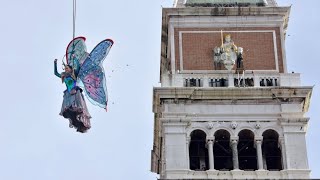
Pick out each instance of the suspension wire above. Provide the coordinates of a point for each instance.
(74, 14)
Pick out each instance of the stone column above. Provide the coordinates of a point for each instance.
(259, 153)
(283, 153)
(205, 81)
(234, 144)
(210, 153)
(256, 80)
(230, 80)
(188, 155)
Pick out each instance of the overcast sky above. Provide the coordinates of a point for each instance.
(37, 144)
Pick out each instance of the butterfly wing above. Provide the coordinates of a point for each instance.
(76, 52)
(92, 74)
(95, 87)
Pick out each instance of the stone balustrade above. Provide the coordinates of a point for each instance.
(232, 80)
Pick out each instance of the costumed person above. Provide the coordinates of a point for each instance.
(83, 70)
(74, 106)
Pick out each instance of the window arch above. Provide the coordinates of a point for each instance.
(198, 153)
(247, 153)
(222, 151)
(271, 151)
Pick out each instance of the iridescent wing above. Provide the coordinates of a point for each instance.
(92, 74)
(76, 52)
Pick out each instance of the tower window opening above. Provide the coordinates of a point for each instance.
(222, 151)
(271, 151)
(262, 83)
(269, 82)
(222, 82)
(247, 152)
(198, 153)
(212, 83)
(248, 82)
(193, 82)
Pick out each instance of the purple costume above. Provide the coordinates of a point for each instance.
(87, 71)
(74, 106)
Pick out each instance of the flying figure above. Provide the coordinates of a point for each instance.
(83, 71)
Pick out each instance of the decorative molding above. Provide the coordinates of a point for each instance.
(234, 125)
(210, 125)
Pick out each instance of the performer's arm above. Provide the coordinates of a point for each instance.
(55, 69)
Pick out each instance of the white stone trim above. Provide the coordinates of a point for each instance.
(213, 71)
(180, 51)
(245, 127)
(277, 129)
(275, 50)
(194, 128)
(226, 21)
(284, 57)
(220, 71)
(172, 49)
(229, 130)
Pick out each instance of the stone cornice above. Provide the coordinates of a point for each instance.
(226, 11)
(278, 94)
(294, 121)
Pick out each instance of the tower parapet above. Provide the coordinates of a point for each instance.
(224, 3)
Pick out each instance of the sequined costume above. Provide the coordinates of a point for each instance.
(74, 106)
(88, 73)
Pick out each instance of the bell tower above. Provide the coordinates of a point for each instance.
(227, 107)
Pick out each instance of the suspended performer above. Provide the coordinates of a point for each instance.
(83, 71)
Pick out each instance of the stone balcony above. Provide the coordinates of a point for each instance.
(232, 80)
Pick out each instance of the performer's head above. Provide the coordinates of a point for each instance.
(68, 68)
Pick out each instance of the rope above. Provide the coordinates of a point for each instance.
(74, 13)
(74, 7)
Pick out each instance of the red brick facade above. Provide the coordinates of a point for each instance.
(258, 47)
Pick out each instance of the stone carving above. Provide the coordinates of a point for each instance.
(228, 53)
(257, 126)
(210, 125)
(233, 125)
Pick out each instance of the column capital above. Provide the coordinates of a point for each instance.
(281, 143)
(188, 139)
(258, 140)
(281, 140)
(234, 140)
(212, 139)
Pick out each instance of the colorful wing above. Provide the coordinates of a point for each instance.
(76, 52)
(92, 74)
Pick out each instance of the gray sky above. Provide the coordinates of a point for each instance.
(36, 143)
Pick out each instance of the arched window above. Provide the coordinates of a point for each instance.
(271, 151)
(222, 151)
(247, 151)
(198, 152)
